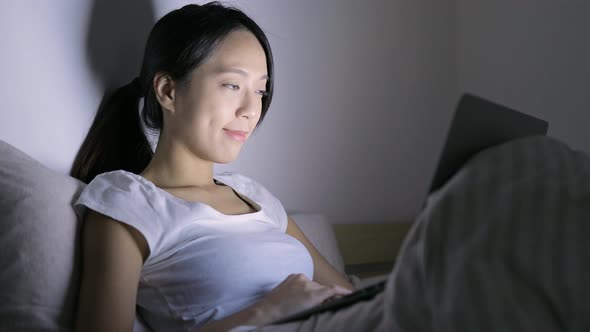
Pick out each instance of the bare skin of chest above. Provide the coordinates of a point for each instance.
(222, 199)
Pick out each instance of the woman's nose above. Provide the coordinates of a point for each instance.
(249, 107)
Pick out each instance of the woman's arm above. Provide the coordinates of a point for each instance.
(324, 273)
(112, 257)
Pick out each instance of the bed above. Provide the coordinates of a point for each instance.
(525, 187)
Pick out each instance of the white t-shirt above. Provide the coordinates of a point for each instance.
(203, 265)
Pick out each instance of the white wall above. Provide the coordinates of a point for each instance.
(48, 92)
(364, 92)
(533, 55)
(57, 58)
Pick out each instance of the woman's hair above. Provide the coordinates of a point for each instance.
(178, 43)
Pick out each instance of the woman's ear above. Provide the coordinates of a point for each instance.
(165, 90)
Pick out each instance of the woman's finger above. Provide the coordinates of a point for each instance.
(339, 290)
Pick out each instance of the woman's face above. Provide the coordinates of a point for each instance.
(218, 109)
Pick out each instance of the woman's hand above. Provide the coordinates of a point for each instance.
(294, 294)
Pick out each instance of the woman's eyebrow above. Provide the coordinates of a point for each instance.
(240, 71)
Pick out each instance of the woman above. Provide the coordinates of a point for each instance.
(196, 251)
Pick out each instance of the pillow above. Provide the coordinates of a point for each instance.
(320, 233)
(38, 234)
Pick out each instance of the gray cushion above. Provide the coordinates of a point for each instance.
(38, 236)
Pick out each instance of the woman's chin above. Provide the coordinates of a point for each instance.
(226, 159)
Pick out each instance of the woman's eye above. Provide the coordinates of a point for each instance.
(232, 86)
(263, 93)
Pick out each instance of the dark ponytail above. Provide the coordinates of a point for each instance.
(177, 44)
(116, 139)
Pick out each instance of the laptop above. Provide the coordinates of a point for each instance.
(477, 124)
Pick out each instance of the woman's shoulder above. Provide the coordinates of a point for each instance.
(240, 182)
(117, 188)
(119, 179)
(117, 175)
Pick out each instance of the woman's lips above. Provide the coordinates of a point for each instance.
(236, 135)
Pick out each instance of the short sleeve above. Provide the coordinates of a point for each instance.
(271, 205)
(121, 197)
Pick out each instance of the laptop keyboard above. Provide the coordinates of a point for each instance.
(363, 294)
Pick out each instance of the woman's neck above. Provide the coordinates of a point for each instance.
(177, 167)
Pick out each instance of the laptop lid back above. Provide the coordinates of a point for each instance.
(477, 125)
